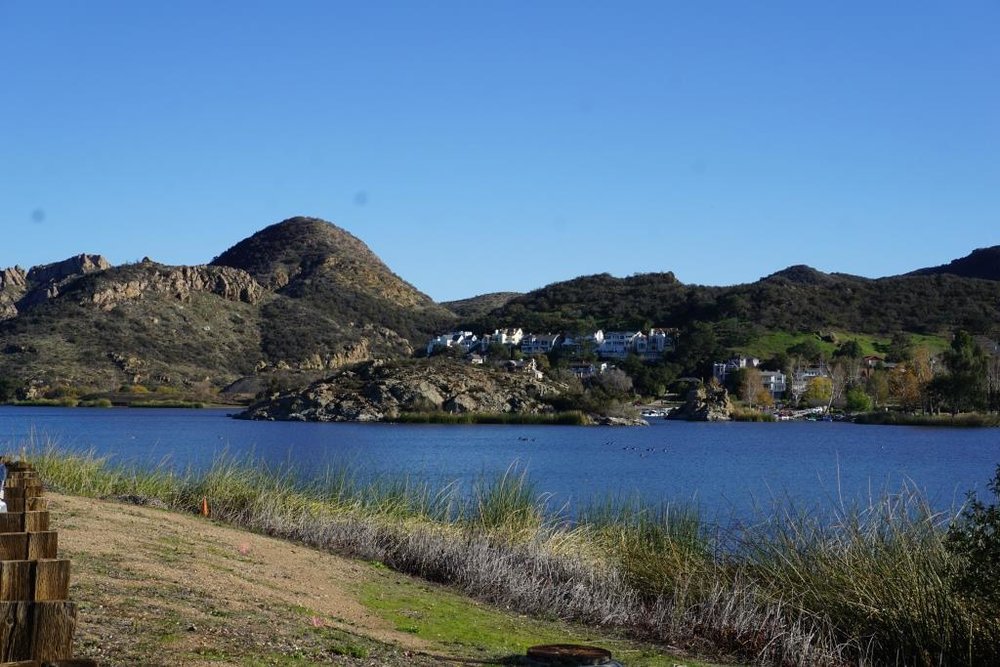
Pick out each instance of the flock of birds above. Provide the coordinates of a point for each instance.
(643, 452)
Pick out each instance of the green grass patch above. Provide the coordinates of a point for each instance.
(455, 622)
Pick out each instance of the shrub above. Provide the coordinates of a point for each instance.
(974, 542)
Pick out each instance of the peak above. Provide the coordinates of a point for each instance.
(801, 273)
(287, 248)
(981, 263)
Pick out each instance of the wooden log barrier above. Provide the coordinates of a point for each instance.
(37, 620)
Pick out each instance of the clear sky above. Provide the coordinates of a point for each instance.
(486, 146)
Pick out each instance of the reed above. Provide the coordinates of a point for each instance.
(864, 585)
(962, 420)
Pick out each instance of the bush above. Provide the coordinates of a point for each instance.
(974, 542)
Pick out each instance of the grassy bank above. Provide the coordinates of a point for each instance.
(964, 420)
(882, 584)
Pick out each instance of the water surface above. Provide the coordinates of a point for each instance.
(724, 468)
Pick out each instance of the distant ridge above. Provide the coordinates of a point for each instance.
(981, 263)
(479, 305)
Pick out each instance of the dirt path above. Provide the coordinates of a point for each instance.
(159, 588)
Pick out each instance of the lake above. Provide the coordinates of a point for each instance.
(725, 468)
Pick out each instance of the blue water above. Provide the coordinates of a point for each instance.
(725, 469)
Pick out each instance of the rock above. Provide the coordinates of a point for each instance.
(379, 390)
(74, 266)
(705, 404)
(180, 282)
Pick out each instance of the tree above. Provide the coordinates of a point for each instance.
(857, 400)
(614, 383)
(750, 385)
(697, 348)
(819, 391)
(878, 387)
(8, 389)
(763, 399)
(900, 348)
(808, 350)
(850, 349)
(964, 388)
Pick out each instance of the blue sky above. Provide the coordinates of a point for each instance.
(487, 146)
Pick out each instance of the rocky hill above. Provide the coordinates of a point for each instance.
(301, 294)
(382, 390)
(795, 299)
(332, 301)
(480, 305)
(981, 263)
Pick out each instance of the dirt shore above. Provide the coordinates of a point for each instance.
(160, 588)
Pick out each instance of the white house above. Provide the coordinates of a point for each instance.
(464, 339)
(618, 344)
(584, 370)
(541, 344)
(721, 370)
(775, 382)
(504, 337)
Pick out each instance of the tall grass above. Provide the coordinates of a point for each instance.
(964, 420)
(871, 585)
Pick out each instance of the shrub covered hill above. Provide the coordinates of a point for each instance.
(965, 293)
(302, 298)
(301, 294)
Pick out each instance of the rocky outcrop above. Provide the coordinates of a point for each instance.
(178, 282)
(13, 283)
(74, 266)
(378, 391)
(47, 281)
(705, 404)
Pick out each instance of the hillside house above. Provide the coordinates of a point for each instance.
(775, 382)
(527, 366)
(466, 340)
(585, 371)
(509, 337)
(532, 345)
(618, 344)
(802, 376)
(655, 344)
(722, 369)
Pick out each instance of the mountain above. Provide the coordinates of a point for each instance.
(300, 294)
(332, 299)
(477, 306)
(795, 299)
(983, 263)
(303, 297)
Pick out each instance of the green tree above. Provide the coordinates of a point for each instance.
(697, 348)
(857, 400)
(900, 348)
(8, 389)
(963, 388)
(850, 349)
(808, 350)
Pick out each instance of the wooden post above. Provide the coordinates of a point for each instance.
(51, 580)
(53, 630)
(42, 545)
(13, 546)
(16, 583)
(15, 631)
(36, 522)
(11, 522)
